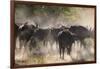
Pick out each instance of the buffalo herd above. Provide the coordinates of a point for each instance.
(64, 36)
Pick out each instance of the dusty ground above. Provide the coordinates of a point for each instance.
(50, 54)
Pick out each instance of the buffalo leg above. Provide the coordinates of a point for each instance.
(69, 50)
(63, 50)
(60, 51)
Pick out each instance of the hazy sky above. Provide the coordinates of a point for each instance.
(84, 17)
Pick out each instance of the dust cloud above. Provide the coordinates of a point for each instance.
(84, 17)
(50, 53)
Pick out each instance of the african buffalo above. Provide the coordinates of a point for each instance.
(40, 35)
(54, 33)
(65, 38)
(81, 33)
(25, 32)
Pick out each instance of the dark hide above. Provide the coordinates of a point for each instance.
(25, 33)
(81, 33)
(16, 30)
(54, 33)
(40, 35)
(65, 42)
